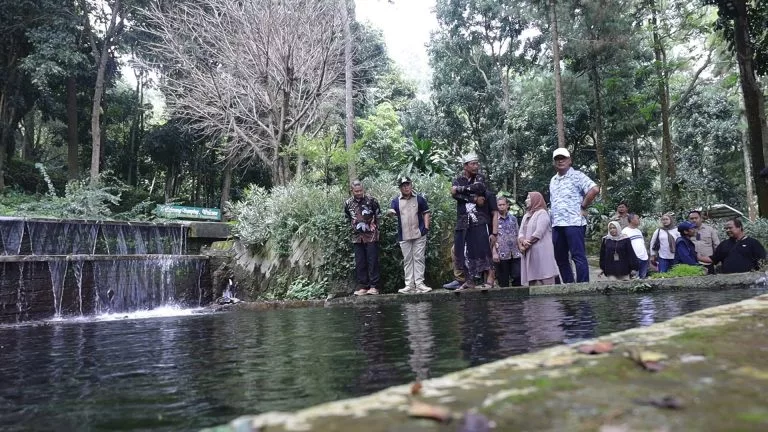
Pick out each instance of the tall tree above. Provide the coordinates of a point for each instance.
(742, 34)
(260, 73)
(111, 15)
(559, 119)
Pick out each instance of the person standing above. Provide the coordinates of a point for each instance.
(362, 212)
(538, 265)
(685, 250)
(663, 244)
(617, 257)
(622, 215)
(468, 190)
(413, 217)
(638, 244)
(739, 253)
(706, 239)
(571, 193)
(506, 253)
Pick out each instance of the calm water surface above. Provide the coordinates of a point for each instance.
(188, 372)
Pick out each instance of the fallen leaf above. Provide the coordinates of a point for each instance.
(751, 372)
(416, 388)
(474, 422)
(668, 402)
(596, 348)
(433, 412)
(649, 360)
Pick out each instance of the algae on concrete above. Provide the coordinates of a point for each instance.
(716, 368)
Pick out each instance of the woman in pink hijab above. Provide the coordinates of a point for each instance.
(538, 266)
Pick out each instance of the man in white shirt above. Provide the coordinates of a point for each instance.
(638, 244)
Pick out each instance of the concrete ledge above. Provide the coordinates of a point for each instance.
(147, 257)
(598, 287)
(715, 365)
(209, 230)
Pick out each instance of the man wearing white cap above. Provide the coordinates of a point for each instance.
(471, 232)
(571, 192)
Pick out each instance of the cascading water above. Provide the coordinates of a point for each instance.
(96, 268)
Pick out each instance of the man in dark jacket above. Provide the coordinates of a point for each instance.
(739, 253)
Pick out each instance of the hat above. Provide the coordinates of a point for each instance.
(561, 151)
(685, 226)
(403, 180)
(469, 157)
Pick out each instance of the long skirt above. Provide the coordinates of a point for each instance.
(478, 250)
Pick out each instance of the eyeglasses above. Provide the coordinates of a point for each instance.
(559, 158)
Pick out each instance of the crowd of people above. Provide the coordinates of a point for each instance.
(491, 249)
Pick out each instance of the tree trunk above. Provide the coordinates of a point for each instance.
(73, 170)
(598, 126)
(98, 93)
(748, 177)
(558, 84)
(226, 185)
(670, 188)
(754, 104)
(348, 77)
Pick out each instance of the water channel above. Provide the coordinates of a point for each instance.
(187, 371)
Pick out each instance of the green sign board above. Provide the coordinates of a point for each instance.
(183, 212)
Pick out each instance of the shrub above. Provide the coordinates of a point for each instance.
(275, 222)
(681, 270)
(303, 289)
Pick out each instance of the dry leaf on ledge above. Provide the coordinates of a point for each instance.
(433, 412)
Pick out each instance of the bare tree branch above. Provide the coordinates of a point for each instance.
(257, 72)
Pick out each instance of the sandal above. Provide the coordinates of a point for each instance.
(466, 287)
(360, 292)
(373, 291)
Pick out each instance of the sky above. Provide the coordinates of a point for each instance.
(406, 25)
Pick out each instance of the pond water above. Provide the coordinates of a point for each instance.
(192, 371)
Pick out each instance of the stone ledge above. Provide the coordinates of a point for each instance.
(597, 287)
(716, 365)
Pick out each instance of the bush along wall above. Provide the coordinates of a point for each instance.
(298, 241)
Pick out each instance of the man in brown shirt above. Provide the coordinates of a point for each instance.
(362, 212)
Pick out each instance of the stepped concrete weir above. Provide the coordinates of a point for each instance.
(67, 268)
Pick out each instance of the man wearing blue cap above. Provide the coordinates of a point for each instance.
(412, 214)
(685, 250)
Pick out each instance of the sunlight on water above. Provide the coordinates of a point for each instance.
(160, 312)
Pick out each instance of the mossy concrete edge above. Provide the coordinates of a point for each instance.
(497, 387)
(596, 287)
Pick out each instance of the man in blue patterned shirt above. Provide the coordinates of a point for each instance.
(571, 192)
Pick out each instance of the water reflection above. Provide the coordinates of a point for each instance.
(188, 372)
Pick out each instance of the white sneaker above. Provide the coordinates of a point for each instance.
(408, 290)
(423, 289)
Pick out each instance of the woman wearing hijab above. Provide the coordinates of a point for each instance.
(663, 244)
(538, 266)
(617, 257)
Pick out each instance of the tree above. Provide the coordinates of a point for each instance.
(112, 15)
(734, 21)
(260, 73)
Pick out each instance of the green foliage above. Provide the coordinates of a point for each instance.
(422, 156)
(681, 270)
(303, 217)
(381, 141)
(303, 289)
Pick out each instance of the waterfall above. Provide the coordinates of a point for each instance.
(58, 269)
(115, 267)
(11, 233)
